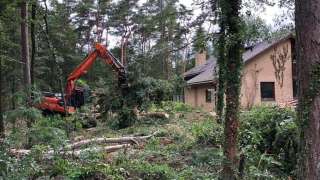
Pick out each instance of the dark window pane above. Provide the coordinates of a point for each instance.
(295, 88)
(267, 91)
(208, 95)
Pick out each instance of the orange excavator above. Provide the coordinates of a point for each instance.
(73, 96)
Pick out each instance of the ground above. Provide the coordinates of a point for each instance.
(185, 147)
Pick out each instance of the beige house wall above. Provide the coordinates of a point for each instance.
(262, 69)
(196, 97)
(259, 69)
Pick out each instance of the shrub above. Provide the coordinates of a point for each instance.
(123, 119)
(146, 170)
(171, 106)
(53, 130)
(269, 139)
(90, 170)
(24, 168)
(207, 132)
(24, 113)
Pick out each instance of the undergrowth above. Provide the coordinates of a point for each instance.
(188, 146)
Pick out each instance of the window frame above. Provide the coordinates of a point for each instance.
(211, 92)
(273, 91)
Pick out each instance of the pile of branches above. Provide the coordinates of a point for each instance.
(76, 148)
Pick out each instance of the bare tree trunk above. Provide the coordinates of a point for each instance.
(53, 53)
(25, 59)
(13, 90)
(125, 61)
(308, 58)
(2, 128)
(233, 65)
(33, 39)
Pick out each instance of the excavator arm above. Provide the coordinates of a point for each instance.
(102, 52)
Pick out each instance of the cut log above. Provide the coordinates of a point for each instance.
(76, 153)
(155, 115)
(128, 140)
(73, 149)
(107, 149)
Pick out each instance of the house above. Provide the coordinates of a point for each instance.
(267, 76)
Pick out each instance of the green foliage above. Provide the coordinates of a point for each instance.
(47, 135)
(72, 170)
(125, 118)
(208, 132)
(255, 30)
(208, 157)
(23, 113)
(148, 90)
(148, 171)
(269, 140)
(145, 170)
(141, 94)
(171, 106)
(12, 168)
(200, 40)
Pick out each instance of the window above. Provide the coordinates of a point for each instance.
(209, 95)
(267, 91)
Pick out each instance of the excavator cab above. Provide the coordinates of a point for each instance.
(79, 96)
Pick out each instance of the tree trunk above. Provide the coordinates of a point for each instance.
(221, 70)
(308, 58)
(2, 129)
(233, 65)
(53, 53)
(33, 39)
(25, 59)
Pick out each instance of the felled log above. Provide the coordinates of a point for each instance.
(121, 140)
(162, 115)
(73, 149)
(107, 149)
(76, 153)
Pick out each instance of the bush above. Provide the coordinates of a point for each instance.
(269, 139)
(22, 113)
(92, 170)
(24, 168)
(145, 170)
(171, 107)
(208, 132)
(123, 119)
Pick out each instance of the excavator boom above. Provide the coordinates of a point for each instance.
(54, 104)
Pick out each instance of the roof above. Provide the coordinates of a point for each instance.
(261, 47)
(205, 73)
(201, 68)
